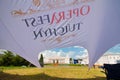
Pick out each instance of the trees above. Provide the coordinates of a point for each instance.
(71, 61)
(10, 59)
(41, 61)
(1, 60)
(7, 58)
(19, 61)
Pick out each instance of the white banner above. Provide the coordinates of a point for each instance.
(28, 27)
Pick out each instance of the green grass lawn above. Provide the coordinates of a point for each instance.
(52, 73)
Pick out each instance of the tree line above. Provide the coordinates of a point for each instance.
(10, 59)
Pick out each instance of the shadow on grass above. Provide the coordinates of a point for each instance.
(42, 76)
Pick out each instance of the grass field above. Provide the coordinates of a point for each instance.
(52, 73)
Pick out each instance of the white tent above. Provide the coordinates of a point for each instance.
(28, 27)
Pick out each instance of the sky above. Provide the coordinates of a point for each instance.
(74, 52)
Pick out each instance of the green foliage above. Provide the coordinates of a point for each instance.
(71, 61)
(7, 58)
(19, 61)
(10, 59)
(41, 61)
(1, 60)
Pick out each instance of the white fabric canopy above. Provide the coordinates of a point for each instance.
(28, 27)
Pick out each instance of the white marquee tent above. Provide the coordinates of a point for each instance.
(28, 27)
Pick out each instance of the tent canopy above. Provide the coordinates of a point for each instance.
(28, 27)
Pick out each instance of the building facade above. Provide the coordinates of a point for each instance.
(105, 59)
(56, 60)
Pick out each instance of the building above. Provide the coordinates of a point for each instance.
(109, 59)
(56, 59)
(105, 59)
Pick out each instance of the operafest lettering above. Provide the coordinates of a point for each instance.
(57, 31)
(57, 17)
